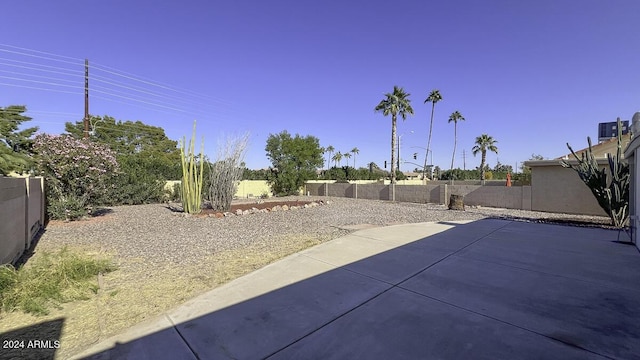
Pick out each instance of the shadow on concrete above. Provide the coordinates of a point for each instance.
(489, 289)
(34, 342)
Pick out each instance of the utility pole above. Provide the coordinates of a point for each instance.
(86, 98)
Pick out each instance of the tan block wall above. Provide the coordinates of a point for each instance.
(246, 188)
(253, 188)
(373, 191)
(558, 189)
(21, 215)
(418, 193)
(35, 208)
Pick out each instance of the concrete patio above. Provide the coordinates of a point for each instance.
(488, 289)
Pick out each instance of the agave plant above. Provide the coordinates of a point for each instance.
(612, 194)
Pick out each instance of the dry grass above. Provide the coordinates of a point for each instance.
(125, 298)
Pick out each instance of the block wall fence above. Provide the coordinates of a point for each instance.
(22, 215)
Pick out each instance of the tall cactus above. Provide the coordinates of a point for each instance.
(191, 184)
(612, 194)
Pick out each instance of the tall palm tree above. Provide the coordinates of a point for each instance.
(433, 98)
(355, 151)
(330, 149)
(347, 156)
(455, 117)
(395, 103)
(483, 143)
(337, 158)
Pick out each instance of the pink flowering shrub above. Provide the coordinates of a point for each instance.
(78, 173)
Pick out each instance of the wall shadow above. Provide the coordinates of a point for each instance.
(266, 324)
(34, 342)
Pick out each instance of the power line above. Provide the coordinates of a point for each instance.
(156, 83)
(38, 88)
(98, 76)
(32, 68)
(36, 76)
(109, 92)
(41, 65)
(106, 90)
(37, 81)
(40, 52)
(37, 56)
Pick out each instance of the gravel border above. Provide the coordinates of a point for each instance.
(154, 236)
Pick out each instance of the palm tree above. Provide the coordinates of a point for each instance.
(484, 142)
(337, 158)
(355, 151)
(330, 149)
(455, 117)
(395, 103)
(347, 156)
(433, 98)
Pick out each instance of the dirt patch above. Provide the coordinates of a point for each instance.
(126, 298)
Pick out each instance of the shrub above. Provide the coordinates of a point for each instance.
(137, 183)
(226, 172)
(74, 169)
(67, 207)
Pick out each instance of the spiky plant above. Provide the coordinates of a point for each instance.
(191, 184)
(612, 194)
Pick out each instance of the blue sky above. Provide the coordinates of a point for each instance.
(532, 74)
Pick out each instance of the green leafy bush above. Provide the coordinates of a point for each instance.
(67, 207)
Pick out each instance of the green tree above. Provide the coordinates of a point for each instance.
(347, 156)
(294, 159)
(455, 117)
(129, 138)
(355, 151)
(483, 143)
(330, 149)
(433, 98)
(394, 104)
(337, 159)
(148, 158)
(15, 145)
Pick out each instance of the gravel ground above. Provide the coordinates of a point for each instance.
(165, 259)
(157, 235)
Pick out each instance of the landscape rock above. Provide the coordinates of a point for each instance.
(276, 208)
(285, 208)
(238, 212)
(246, 212)
(226, 213)
(219, 215)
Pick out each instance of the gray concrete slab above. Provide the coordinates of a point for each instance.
(599, 318)
(260, 326)
(590, 255)
(351, 252)
(486, 289)
(403, 325)
(156, 339)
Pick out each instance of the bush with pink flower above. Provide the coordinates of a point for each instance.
(78, 173)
